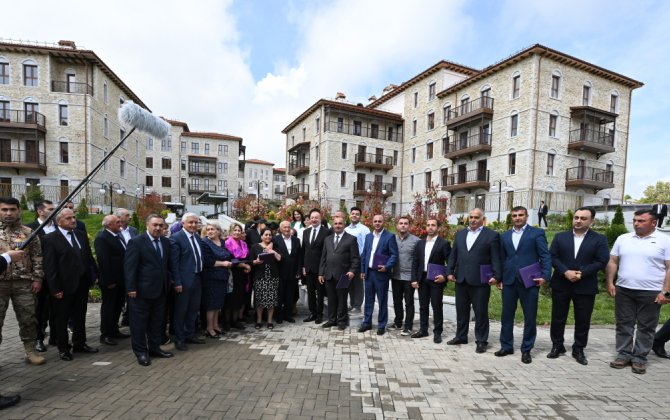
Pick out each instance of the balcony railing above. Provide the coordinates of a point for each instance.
(299, 145)
(25, 119)
(373, 161)
(463, 113)
(590, 140)
(298, 166)
(279, 191)
(480, 142)
(198, 188)
(466, 180)
(364, 131)
(202, 171)
(71, 87)
(589, 177)
(373, 187)
(298, 190)
(19, 158)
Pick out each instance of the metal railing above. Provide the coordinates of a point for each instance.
(22, 157)
(201, 188)
(483, 102)
(71, 87)
(479, 139)
(373, 187)
(364, 131)
(298, 163)
(588, 173)
(464, 177)
(374, 158)
(22, 117)
(592, 136)
(298, 189)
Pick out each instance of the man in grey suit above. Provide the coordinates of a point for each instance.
(339, 257)
(474, 247)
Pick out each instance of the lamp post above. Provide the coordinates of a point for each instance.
(258, 183)
(500, 183)
(110, 186)
(229, 196)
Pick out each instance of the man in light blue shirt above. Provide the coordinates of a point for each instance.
(358, 230)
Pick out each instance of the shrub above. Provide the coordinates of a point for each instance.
(508, 221)
(23, 203)
(82, 209)
(568, 220)
(135, 221)
(618, 217)
(613, 232)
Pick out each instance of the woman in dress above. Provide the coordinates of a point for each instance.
(216, 277)
(235, 300)
(266, 278)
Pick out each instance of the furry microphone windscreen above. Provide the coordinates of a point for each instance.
(132, 115)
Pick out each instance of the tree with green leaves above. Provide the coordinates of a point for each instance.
(82, 209)
(659, 193)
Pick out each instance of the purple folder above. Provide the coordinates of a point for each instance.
(485, 273)
(530, 272)
(266, 257)
(343, 282)
(435, 270)
(379, 259)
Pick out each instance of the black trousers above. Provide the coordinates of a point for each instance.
(430, 293)
(287, 289)
(403, 290)
(315, 294)
(168, 314)
(71, 306)
(43, 312)
(110, 310)
(540, 217)
(660, 221)
(146, 323)
(662, 336)
(338, 312)
(560, 306)
(477, 297)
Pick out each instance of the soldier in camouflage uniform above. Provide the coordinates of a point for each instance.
(23, 279)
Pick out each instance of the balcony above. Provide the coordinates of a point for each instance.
(593, 141)
(22, 159)
(197, 170)
(298, 166)
(299, 190)
(71, 87)
(199, 189)
(478, 143)
(371, 187)
(479, 108)
(373, 161)
(298, 146)
(588, 177)
(390, 133)
(279, 191)
(467, 180)
(22, 120)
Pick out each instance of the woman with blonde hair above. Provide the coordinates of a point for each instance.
(216, 277)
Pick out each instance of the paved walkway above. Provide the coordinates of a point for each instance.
(302, 371)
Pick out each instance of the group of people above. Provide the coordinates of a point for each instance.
(203, 275)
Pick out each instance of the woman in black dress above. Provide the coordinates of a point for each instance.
(216, 277)
(235, 300)
(266, 277)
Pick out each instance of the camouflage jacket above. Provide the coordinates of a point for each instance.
(30, 267)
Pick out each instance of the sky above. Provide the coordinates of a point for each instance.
(248, 68)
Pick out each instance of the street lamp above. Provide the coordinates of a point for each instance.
(119, 190)
(258, 183)
(500, 183)
(140, 188)
(229, 196)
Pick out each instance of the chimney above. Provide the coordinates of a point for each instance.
(372, 98)
(339, 96)
(68, 44)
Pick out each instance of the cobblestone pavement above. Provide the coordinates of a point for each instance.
(303, 371)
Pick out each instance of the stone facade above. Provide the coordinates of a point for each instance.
(279, 182)
(258, 176)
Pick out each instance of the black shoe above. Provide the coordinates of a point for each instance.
(364, 328)
(456, 342)
(328, 324)
(65, 355)
(381, 331)
(143, 359)
(237, 325)
(180, 345)
(420, 334)
(318, 320)
(555, 352)
(40, 347)
(659, 350)
(119, 334)
(84, 348)
(108, 340)
(526, 357)
(437, 338)
(503, 352)
(310, 318)
(342, 327)
(279, 321)
(291, 320)
(195, 340)
(215, 335)
(580, 357)
(397, 326)
(481, 348)
(8, 401)
(160, 353)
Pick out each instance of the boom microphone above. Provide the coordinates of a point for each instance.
(130, 115)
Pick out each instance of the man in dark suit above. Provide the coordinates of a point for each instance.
(254, 232)
(340, 257)
(379, 242)
(312, 247)
(146, 270)
(288, 247)
(43, 312)
(521, 246)
(79, 224)
(69, 268)
(432, 250)
(662, 211)
(6, 258)
(542, 214)
(474, 247)
(110, 247)
(577, 258)
(127, 233)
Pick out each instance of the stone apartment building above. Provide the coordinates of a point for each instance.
(258, 178)
(279, 181)
(539, 125)
(58, 119)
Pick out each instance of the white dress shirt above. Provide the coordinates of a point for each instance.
(430, 243)
(48, 228)
(578, 240)
(66, 233)
(287, 242)
(375, 242)
(472, 236)
(516, 235)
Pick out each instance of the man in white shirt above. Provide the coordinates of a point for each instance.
(641, 260)
(357, 230)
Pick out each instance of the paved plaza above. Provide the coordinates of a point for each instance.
(301, 371)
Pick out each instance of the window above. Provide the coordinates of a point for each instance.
(316, 152)
(429, 151)
(445, 114)
(553, 121)
(206, 148)
(219, 166)
(150, 143)
(149, 163)
(445, 145)
(374, 131)
(304, 134)
(516, 86)
(166, 182)
(63, 115)
(429, 179)
(444, 175)
(413, 128)
(586, 95)
(344, 150)
(105, 127)
(431, 121)
(182, 147)
(4, 73)
(511, 163)
(30, 75)
(122, 168)
(431, 91)
(395, 157)
(4, 111)
(195, 148)
(514, 125)
(343, 179)
(390, 134)
(550, 163)
(555, 85)
(413, 154)
(149, 181)
(166, 163)
(105, 92)
(225, 167)
(31, 109)
(411, 182)
(394, 184)
(183, 164)
(614, 101)
(63, 152)
(416, 99)
(358, 128)
(183, 182)
(340, 124)
(317, 124)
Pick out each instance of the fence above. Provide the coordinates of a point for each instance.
(95, 200)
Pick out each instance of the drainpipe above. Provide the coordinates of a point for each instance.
(86, 132)
(625, 155)
(534, 148)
